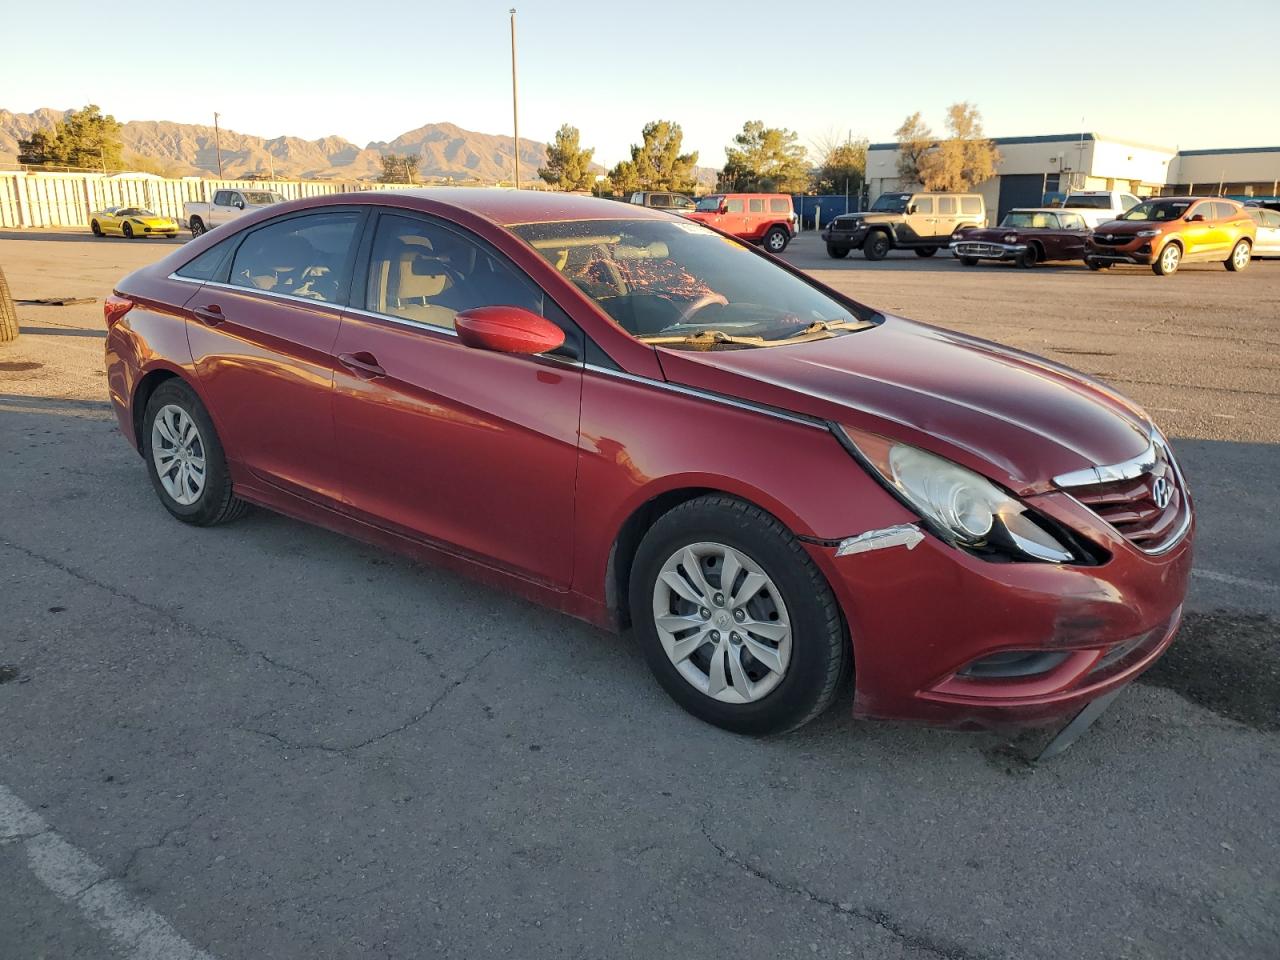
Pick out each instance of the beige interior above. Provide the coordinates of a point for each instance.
(409, 281)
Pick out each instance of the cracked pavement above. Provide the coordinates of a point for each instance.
(291, 745)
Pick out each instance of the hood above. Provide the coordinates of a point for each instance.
(996, 234)
(1017, 418)
(867, 215)
(1130, 227)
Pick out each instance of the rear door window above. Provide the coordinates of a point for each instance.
(304, 256)
(755, 205)
(946, 205)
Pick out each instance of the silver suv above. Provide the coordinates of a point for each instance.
(922, 222)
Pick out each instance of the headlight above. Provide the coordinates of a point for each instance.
(1148, 233)
(961, 507)
(1010, 238)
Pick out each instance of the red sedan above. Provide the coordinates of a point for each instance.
(643, 422)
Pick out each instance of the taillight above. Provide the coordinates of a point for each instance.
(115, 307)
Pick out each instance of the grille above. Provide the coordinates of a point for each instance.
(1132, 506)
(977, 249)
(842, 224)
(1116, 240)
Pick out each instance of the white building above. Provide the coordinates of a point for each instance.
(1031, 167)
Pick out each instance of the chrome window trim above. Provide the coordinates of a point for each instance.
(402, 321)
(708, 395)
(269, 294)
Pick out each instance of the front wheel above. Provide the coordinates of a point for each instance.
(184, 458)
(1240, 256)
(776, 240)
(1168, 262)
(736, 622)
(877, 245)
(1026, 259)
(969, 261)
(1093, 264)
(837, 253)
(926, 251)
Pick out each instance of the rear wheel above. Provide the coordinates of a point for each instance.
(96, 228)
(127, 230)
(926, 251)
(8, 313)
(736, 622)
(776, 240)
(1240, 256)
(184, 458)
(838, 253)
(877, 245)
(197, 226)
(1168, 262)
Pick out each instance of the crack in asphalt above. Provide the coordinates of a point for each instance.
(132, 860)
(411, 721)
(870, 915)
(203, 632)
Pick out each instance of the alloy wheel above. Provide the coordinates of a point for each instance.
(178, 454)
(1240, 255)
(722, 622)
(1170, 258)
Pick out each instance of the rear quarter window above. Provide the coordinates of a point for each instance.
(210, 265)
(971, 205)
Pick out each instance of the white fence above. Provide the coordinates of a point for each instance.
(68, 199)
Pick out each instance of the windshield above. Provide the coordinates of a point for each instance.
(1093, 203)
(1035, 221)
(709, 204)
(260, 198)
(134, 212)
(891, 203)
(1157, 210)
(678, 283)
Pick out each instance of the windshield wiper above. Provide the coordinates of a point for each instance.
(704, 339)
(821, 326)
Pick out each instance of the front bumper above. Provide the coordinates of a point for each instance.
(919, 617)
(1141, 250)
(987, 251)
(845, 238)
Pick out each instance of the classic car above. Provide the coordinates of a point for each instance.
(131, 222)
(1025, 236)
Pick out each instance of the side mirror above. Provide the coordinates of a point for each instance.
(722, 209)
(507, 330)
(911, 208)
(239, 204)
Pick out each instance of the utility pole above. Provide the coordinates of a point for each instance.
(217, 142)
(515, 109)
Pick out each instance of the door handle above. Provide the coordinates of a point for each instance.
(210, 314)
(363, 364)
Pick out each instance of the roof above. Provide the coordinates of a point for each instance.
(507, 207)
(1058, 138)
(1226, 150)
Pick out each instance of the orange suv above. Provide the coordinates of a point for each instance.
(1167, 232)
(764, 218)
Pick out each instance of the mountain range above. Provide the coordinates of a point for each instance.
(445, 150)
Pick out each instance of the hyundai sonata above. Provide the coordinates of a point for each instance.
(645, 423)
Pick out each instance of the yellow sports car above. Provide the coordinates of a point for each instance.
(131, 222)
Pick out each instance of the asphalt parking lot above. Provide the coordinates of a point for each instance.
(266, 740)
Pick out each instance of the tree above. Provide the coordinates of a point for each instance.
(766, 160)
(399, 169)
(568, 165)
(657, 163)
(915, 139)
(83, 138)
(842, 166)
(963, 160)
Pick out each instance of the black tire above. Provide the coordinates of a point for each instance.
(969, 261)
(877, 245)
(926, 251)
(1170, 259)
(1026, 259)
(1236, 265)
(821, 654)
(1093, 264)
(837, 253)
(197, 227)
(127, 230)
(217, 502)
(8, 312)
(776, 240)
(96, 228)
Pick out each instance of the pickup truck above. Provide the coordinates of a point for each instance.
(1099, 206)
(226, 205)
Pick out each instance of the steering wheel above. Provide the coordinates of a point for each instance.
(706, 300)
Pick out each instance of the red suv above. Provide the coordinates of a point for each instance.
(764, 218)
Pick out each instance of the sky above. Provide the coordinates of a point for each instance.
(1191, 76)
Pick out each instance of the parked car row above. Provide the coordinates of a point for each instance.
(1099, 228)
